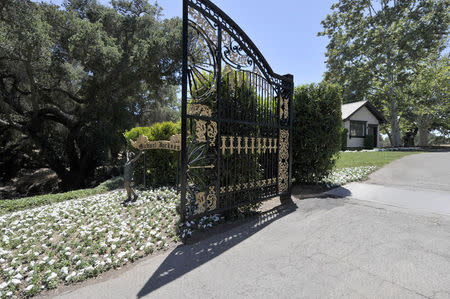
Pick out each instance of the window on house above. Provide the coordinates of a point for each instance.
(357, 129)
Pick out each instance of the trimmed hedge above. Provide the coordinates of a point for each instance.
(12, 205)
(161, 164)
(316, 131)
(344, 132)
(369, 142)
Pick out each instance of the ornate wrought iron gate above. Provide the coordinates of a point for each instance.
(236, 117)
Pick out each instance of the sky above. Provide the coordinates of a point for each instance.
(285, 31)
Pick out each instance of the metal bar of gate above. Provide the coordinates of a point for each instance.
(184, 112)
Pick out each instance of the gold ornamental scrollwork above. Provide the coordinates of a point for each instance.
(248, 185)
(248, 145)
(212, 133)
(283, 161)
(204, 24)
(205, 129)
(199, 109)
(206, 202)
(200, 130)
(200, 200)
(211, 199)
(142, 143)
(284, 108)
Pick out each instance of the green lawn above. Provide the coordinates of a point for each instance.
(378, 159)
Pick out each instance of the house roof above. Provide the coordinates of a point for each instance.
(349, 109)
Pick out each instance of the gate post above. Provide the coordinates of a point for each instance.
(288, 87)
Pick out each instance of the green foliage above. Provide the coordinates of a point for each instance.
(72, 79)
(161, 165)
(11, 205)
(344, 133)
(316, 131)
(375, 47)
(369, 142)
(430, 94)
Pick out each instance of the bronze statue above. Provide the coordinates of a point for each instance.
(128, 176)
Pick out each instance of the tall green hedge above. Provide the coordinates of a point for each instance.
(344, 132)
(161, 164)
(369, 142)
(316, 131)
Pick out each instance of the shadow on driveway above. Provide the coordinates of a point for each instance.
(185, 258)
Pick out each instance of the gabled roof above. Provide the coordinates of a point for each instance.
(349, 109)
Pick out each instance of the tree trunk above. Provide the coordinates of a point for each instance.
(422, 124)
(388, 133)
(395, 128)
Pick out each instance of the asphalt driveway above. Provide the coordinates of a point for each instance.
(313, 248)
(428, 171)
(418, 182)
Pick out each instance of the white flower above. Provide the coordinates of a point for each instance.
(71, 275)
(15, 281)
(51, 262)
(65, 270)
(3, 285)
(52, 275)
(28, 288)
(122, 254)
(18, 276)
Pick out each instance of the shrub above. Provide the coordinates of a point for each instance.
(316, 131)
(344, 132)
(369, 142)
(161, 164)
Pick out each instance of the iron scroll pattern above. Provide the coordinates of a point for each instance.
(236, 117)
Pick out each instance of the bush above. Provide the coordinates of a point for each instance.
(161, 164)
(344, 132)
(316, 131)
(369, 142)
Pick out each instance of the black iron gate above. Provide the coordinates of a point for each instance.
(236, 117)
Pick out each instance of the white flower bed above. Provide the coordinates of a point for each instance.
(77, 239)
(345, 175)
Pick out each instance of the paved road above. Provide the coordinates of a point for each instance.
(423, 171)
(315, 248)
(417, 182)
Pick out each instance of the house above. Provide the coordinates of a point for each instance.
(361, 119)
